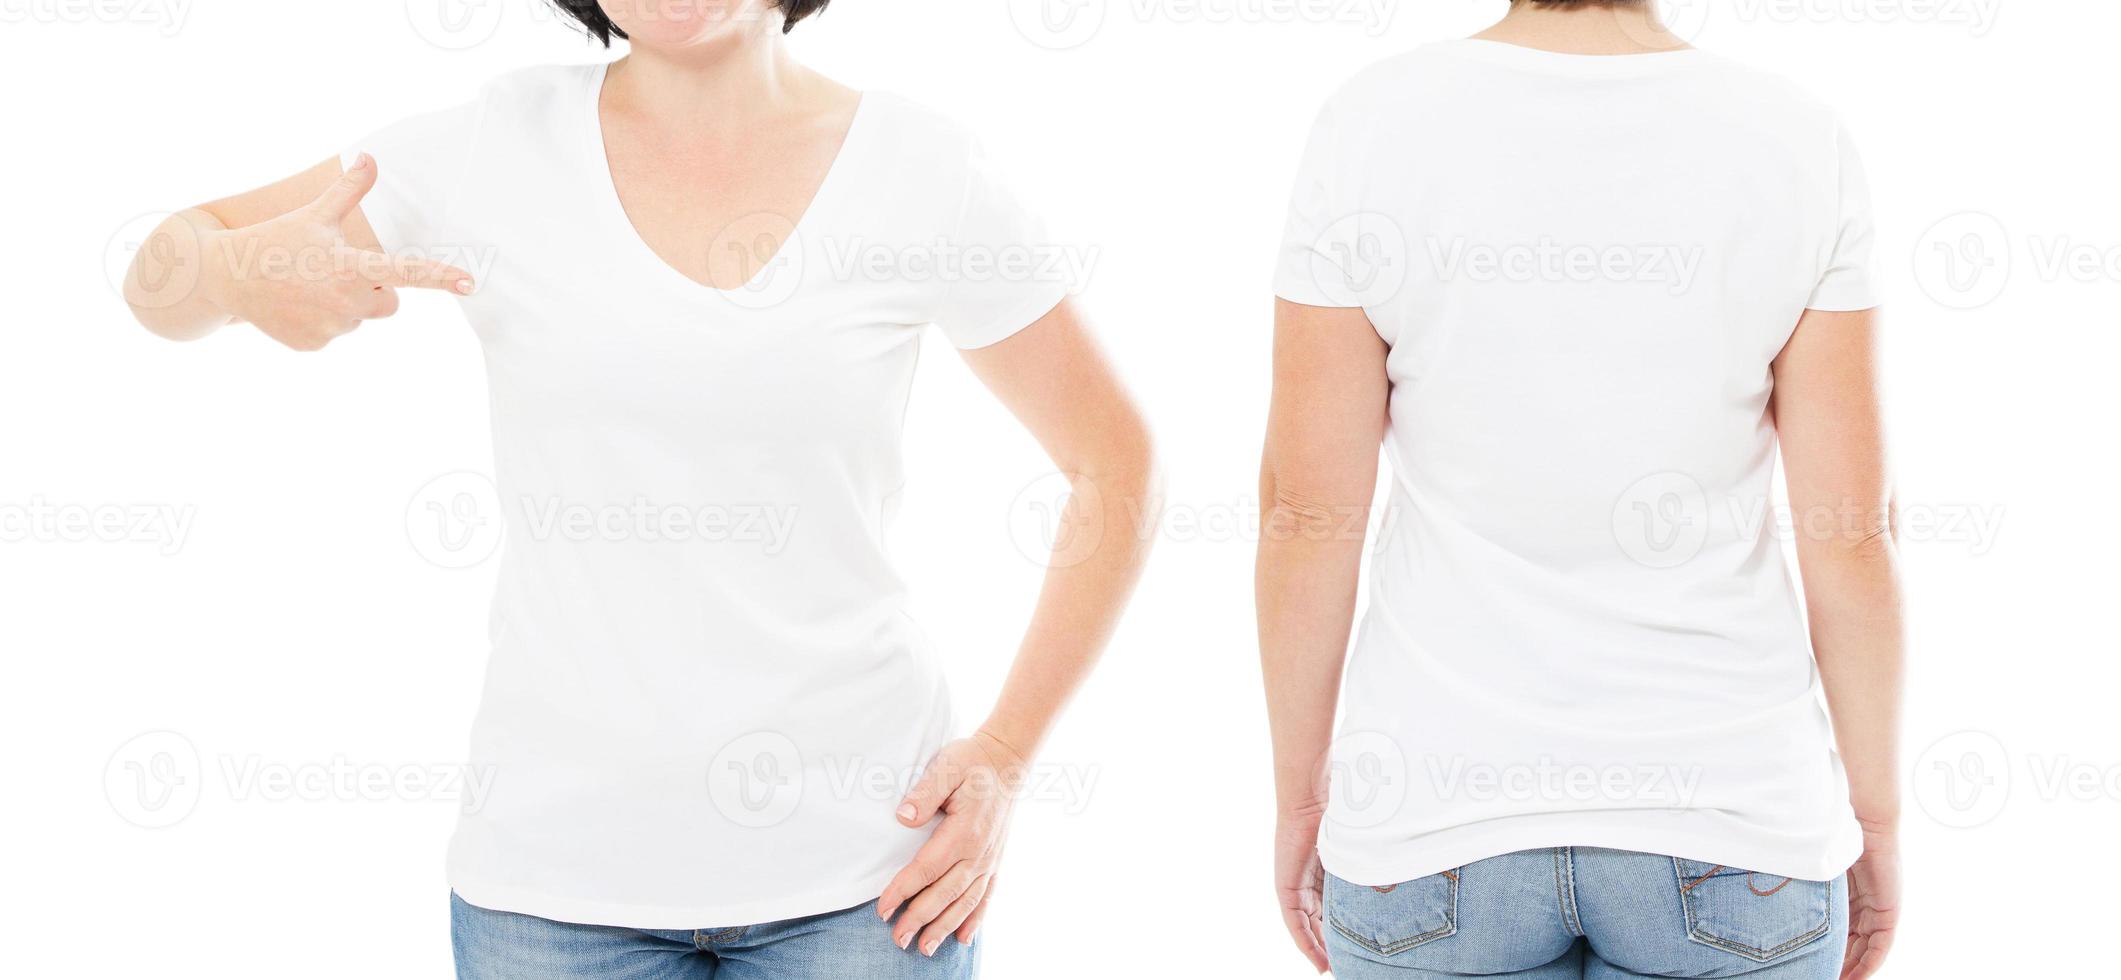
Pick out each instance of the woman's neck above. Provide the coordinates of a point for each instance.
(728, 82)
(1626, 28)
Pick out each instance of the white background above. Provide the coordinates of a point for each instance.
(294, 625)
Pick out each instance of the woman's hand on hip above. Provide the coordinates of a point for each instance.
(971, 784)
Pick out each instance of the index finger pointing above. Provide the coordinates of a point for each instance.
(405, 272)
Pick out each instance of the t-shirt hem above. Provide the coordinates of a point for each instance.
(505, 898)
(1458, 847)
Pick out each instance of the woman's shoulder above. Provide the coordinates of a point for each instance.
(541, 83)
(913, 127)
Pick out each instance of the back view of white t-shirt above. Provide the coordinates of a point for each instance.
(1581, 629)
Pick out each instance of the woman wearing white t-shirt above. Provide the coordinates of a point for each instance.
(1580, 280)
(703, 274)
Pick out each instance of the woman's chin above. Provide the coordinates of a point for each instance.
(676, 25)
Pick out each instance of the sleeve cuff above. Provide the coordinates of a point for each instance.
(1033, 309)
(1301, 289)
(1843, 296)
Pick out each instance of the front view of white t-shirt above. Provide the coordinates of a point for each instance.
(1580, 630)
(705, 697)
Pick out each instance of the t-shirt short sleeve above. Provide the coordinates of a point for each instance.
(1319, 238)
(421, 164)
(1847, 284)
(1009, 272)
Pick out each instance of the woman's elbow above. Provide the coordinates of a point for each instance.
(1122, 467)
(1128, 462)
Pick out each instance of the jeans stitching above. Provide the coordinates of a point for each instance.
(1449, 927)
(703, 938)
(1730, 946)
(1565, 889)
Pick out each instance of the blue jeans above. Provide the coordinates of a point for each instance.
(1580, 912)
(853, 942)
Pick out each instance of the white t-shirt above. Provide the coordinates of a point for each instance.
(1581, 630)
(705, 695)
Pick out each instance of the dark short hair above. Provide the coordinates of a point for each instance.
(599, 26)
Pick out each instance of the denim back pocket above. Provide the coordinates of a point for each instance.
(1758, 916)
(1389, 919)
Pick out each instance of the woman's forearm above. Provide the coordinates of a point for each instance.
(1829, 417)
(1305, 585)
(297, 259)
(1318, 477)
(1852, 587)
(1108, 523)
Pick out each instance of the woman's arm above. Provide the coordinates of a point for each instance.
(1833, 449)
(1057, 383)
(1328, 416)
(295, 258)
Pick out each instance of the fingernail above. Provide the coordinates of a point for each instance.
(903, 940)
(907, 812)
(361, 162)
(467, 287)
(931, 948)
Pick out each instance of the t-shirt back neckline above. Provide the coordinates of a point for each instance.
(1519, 56)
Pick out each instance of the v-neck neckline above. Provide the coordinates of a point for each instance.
(615, 204)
